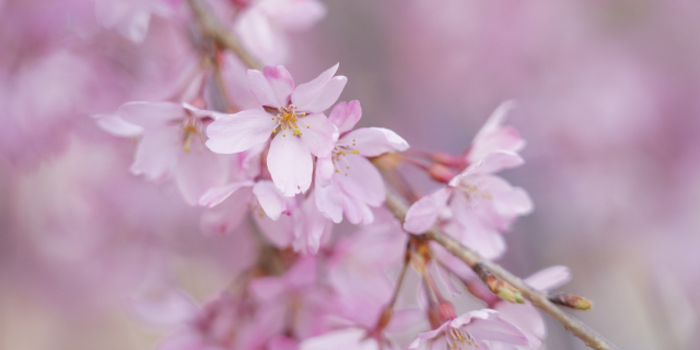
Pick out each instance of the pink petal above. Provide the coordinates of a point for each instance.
(372, 142)
(525, 317)
(503, 139)
(497, 329)
(330, 202)
(293, 15)
(240, 132)
(290, 164)
(227, 216)
(324, 171)
(320, 93)
(117, 126)
(423, 214)
(260, 37)
(281, 82)
(267, 289)
(344, 339)
(508, 201)
(495, 120)
(363, 181)
(215, 196)
(151, 114)
(549, 278)
(197, 172)
(473, 232)
(318, 134)
(157, 152)
(262, 88)
(357, 211)
(270, 199)
(345, 115)
(310, 227)
(164, 308)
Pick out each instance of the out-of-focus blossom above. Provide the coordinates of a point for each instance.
(346, 182)
(291, 116)
(469, 331)
(262, 24)
(476, 205)
(172, 144)
(131, 18)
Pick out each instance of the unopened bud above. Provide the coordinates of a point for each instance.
(570, 300)
(447, 160)
(440, 173)
(501, 288)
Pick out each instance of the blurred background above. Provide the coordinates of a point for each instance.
(608, 102)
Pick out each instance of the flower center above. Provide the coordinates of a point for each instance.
(192, 130)
(287, 120)
(460, 339)
(472, 191)
(339, 152)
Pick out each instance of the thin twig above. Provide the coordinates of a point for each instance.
(212, 28)
(537, 298)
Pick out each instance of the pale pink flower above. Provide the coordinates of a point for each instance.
(477, 205)
(172, 144)
(311, 228)
(262, 24)
(469, 331)
(229, 204)
(131, 18)
(291, 116)
(346, 181)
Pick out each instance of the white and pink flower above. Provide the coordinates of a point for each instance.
(292, 117)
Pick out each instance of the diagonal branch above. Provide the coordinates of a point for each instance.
(212, 28)
(537, 298)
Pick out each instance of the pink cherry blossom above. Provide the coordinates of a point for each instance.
(346, 182)
(229, 204)
(172, 144)
(477, 205)
(291, 116)
(469, 331)
(131, 18)
(262, 24)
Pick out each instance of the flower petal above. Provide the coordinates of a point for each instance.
(549, 278)
(151, 114)
(345, 115)
(270, 199)
(293, 15)
(157, 152)
(281, 82)
(324, 171)
(240, 132)
(320, 93)
(318, 134)
(261, 88)
(227, 216)
(423, 214)
(329, 202)
(372, 142)
(290, 164)
(361, 180)
(197, 172)
(215, 196)
(115, 125)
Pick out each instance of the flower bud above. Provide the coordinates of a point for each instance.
(440, 173)
(501, 288)
(447, 159)
(570, 300)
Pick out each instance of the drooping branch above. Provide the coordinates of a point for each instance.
(537, 298)
(212, 28)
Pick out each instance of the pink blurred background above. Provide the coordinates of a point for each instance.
(607, 97)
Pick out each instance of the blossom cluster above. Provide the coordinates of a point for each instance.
(282, 164)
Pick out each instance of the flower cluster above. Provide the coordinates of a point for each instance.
(273, 167)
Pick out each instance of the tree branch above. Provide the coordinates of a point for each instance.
(214, 30)
(537, 298)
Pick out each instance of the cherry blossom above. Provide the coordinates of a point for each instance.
(470, 330)
(172, 144)
(291, 116)
(131, 18)
(262, 24)
(346, 181)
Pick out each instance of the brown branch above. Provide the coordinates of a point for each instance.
(537, 298)
(212, 28)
